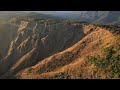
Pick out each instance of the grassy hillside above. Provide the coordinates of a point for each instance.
(97, 55)
(108, 62)
(46, 47)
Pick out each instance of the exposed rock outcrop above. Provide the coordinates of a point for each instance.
(45, 39)
(54, 49)
(70, 63)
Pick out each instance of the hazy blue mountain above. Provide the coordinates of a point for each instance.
(89, 16)
(93, 16)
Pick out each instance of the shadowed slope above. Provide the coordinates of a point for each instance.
(71, 63)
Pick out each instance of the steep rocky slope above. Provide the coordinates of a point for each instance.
(41, 46)
(71, 63)
(7, 29)
(38, 40)
(56, 49)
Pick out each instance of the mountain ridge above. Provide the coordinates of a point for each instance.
(52, 48)
(50, 66)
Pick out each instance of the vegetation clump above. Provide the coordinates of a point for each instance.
(115, 29)
(109, 61)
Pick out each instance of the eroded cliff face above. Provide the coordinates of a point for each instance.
(71, 63)
(48, 49)
(38, 41)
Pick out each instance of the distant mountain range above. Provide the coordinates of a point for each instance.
(92, 16)
(109, 17)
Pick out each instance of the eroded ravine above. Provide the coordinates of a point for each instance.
(46, 39)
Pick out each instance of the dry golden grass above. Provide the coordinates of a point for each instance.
(70, 63)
